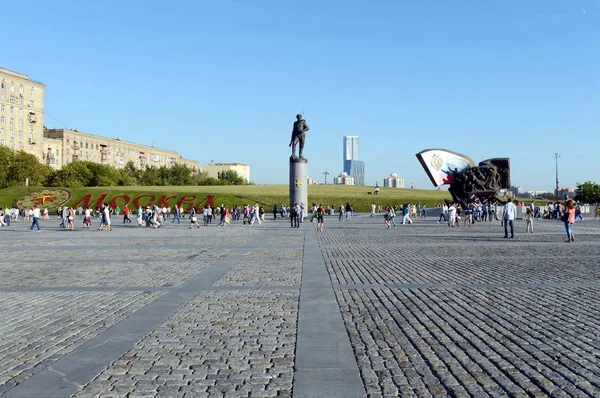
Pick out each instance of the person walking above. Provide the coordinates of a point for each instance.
(126, 218)
(275, 212)
(509, 213)
(71, 219)
(406, 214)
(392, 214)
(87, 218)
(320, 213)
(35, 214)
(529, 216)
(568, 217)
(451, 214)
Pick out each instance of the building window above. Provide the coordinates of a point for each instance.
(96, 146)
(31, 91)
(20, 134)
(31, 126)
(20, 112)
(67, 141)
(67, 151)
(86, 145)
(2, 108)
(21, 91)
(11, 121)
(31, 103)
(57, 152)
(11, 99)
(31, 136)
(12, 88)
(2, 85)
(2, 120)
(2, 142)
(20, 122)
(3, 96)
(1, 130)
(12, 133)
(20, 145)
(31, 147)
(11, 144)
(12, 110)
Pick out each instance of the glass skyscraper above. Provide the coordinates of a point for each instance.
(354, 167)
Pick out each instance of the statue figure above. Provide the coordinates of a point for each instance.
(298, 135)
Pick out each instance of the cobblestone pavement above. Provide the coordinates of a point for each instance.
(439, 311)
(424, 310)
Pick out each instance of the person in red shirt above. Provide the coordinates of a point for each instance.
(126, 218)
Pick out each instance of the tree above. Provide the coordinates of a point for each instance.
(132, 171)
(25, 166)
(180, 174)
(588, 192)
(6, 156)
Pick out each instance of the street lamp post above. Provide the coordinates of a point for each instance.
(326, 174)
(556, 156)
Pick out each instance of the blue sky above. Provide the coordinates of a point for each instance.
(223, 80)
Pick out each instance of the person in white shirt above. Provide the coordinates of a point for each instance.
(107, 217)
(35, 214)
(451, 214)
(509, 214)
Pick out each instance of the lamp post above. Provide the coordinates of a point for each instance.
(556, 156)
(326, 174)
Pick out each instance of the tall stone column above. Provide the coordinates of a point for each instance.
(298, 182)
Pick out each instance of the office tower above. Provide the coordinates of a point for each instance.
(354, 167)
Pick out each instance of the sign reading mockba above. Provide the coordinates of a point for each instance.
(185, 202)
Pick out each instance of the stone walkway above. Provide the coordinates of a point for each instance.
(268, 311)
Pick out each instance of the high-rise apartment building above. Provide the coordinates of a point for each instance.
(352, 166)
(21, 112)
(22, 128)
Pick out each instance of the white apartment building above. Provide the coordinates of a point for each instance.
(21, 112)
(393, 181)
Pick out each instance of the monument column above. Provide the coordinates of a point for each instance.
(298, 182)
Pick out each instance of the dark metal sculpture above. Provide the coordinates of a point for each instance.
(465, 179)
(298, 135)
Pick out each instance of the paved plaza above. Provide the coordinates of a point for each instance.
(357, 310)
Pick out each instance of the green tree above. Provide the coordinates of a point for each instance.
(6, 156)
(73, 175)
(588, 192)
(150, 176)
(25, 166)
(133, 172)
(180, 174)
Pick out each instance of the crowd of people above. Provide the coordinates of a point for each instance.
(453, 214)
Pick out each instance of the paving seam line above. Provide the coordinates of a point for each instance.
(325, 365)
(73, 371)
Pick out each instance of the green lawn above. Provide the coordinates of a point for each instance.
(266, 195)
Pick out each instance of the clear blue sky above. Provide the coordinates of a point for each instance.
(223, 80)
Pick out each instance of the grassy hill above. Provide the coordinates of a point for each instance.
(266, 195)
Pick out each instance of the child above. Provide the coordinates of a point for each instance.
(529, 219)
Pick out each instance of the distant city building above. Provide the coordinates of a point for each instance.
(21, 112)
(64, 146)
(310, 181)
(393, 181)
(352, 166)
(344, 179)
(215, 170)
